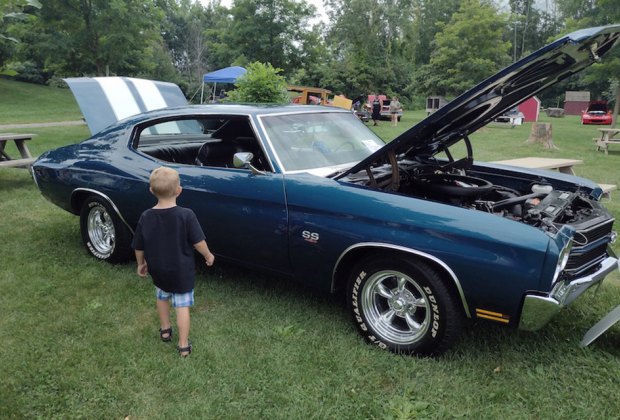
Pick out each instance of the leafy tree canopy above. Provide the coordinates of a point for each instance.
(466, 50)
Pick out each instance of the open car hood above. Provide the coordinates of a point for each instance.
(106, 100)
(499, 93)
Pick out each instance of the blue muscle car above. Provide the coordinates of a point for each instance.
(416, 233)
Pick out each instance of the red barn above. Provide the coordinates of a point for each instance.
(575, 102)
(530, 109)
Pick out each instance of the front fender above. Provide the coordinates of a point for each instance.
(495, 260)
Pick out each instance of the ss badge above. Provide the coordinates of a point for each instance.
(312, 237)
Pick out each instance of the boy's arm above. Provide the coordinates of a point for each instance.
(204, 251)
(142, 267)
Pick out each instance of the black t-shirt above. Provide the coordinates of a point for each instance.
(167, 237)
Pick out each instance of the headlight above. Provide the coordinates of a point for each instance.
(562, 260)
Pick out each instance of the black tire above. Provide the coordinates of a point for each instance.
(104, 234)
(404, 306)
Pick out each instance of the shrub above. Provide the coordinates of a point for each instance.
(261, 84)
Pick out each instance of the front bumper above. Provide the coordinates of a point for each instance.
(538, 310)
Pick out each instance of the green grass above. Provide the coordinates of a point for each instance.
(28, 103)
(79, 337)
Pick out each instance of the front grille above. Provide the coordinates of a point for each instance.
(579, 261)
(587, 236)
(585, 254)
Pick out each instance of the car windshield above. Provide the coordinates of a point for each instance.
(598, 108)
(307, 141)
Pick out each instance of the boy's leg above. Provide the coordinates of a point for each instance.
(183, 321)
(182, 303)
(163, 309)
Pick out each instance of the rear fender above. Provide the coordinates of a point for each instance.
(80, 194)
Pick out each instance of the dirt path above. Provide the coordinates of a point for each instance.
(42, 124)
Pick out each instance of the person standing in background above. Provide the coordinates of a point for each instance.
(376, 109)
(395, 108)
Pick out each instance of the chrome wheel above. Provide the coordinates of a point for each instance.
(396, 306)
(104, 234)
(101, 230)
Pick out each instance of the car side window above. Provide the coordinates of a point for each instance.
(204, 141)
(174, 141)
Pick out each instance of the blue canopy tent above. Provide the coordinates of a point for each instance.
(225, 75)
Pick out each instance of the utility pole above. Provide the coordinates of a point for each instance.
(514, 44)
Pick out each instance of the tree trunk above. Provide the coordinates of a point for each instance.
(542, 133)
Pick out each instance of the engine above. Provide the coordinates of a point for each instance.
(539, 205)
(535, 202)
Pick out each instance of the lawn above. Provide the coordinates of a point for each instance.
(80, 336)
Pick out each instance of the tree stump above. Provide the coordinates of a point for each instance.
(555, 112)
(542, 133)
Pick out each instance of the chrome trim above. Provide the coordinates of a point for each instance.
(34, 176)
(538, 310)
(448, 270)
(562, 260)
(105, 197)
(262, 146)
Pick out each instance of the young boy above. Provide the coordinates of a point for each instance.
(164, 242)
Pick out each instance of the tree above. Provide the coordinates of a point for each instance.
(274, 31)
(428, 17)
(95, 37)
(194, 34)
(16, 12)
(367, 46)
(530, 28)
(467, 50)
(261, 84)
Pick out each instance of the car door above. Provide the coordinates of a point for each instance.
(243, 215)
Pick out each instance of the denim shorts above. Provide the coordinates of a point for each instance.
(179, 300)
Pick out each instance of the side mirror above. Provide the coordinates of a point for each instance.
(242, 160)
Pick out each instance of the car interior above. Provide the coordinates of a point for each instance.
(203, 141)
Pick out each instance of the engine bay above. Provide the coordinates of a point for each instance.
(526, 198)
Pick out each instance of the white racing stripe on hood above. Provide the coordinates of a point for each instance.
(149, 93)
(119, 97)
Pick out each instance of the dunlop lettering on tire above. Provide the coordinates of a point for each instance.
(104, 235)
(403, 305)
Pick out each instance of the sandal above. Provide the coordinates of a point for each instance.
(165, 335)
(187, 350)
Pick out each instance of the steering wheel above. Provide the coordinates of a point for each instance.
(321, 147)
(345, 144)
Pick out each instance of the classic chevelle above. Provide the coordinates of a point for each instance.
(416, 232)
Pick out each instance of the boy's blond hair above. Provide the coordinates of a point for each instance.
(164, 182)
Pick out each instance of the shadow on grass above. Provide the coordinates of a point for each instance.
(479, 340)
(226, 286)
(12, 179)
(241, 280)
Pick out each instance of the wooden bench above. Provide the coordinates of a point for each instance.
(607, 138)
(607, 189)
(561, 165)
(20, 140)
(17, 163)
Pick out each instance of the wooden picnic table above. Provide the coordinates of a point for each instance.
(565, 166)
(607, 137)
(20, 140)
(562, 165)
